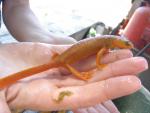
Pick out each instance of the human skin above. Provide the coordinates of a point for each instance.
(17, 13)
(24, 26)
(105, 85)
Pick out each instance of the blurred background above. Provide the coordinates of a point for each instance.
(64, 17)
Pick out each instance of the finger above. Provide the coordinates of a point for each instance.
(123, 67)
(129, 66)
(110, 106)
(3, 104)
(106, 107)
(117, 55)
(82, 110)
(92, 110)
(101, 109)
(108, 58)
(4, 107)
(95, 93)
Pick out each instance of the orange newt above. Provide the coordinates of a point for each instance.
(98, 45)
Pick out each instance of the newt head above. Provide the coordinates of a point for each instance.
(123, 44)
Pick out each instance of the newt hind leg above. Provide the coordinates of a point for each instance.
(100, 54)
(80, 75)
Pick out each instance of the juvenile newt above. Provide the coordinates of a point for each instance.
(98, 45)
(62, 95)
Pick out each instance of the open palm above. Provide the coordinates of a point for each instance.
(40, 91)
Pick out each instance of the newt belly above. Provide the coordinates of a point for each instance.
(98, 45)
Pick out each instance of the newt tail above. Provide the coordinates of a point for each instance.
(98, 45)
(10, 79)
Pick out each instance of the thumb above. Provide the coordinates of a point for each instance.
(3, 104)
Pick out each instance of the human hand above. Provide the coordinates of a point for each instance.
(38, 92)
(104, 107)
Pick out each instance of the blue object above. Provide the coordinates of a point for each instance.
(0, 12)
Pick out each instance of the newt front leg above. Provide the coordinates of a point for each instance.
(88, 75)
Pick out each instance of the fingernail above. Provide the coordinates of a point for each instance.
(135, 80)
(141, 61)
(123, 85)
